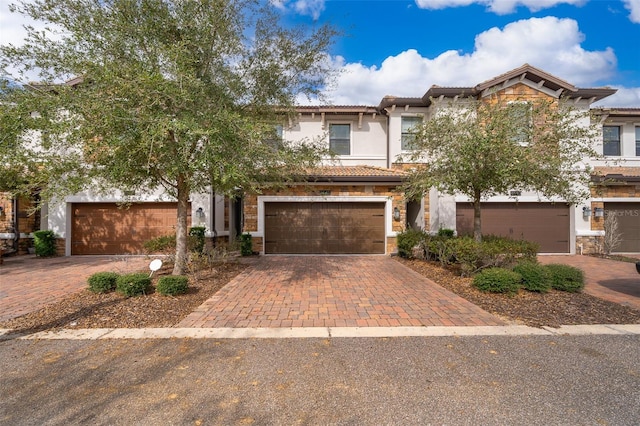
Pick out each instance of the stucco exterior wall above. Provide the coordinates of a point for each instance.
(368, 136)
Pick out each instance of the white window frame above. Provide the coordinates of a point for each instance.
(402, 134)
(604, 142)
(343, 123)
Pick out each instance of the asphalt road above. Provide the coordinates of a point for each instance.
(522, 380)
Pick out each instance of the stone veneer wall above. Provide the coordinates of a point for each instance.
(251, 204)
(27, 222)
(593, 244)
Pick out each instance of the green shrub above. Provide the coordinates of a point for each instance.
(445, 232)
(439, 248)
(535, 277)
(566, 278)
(165, 244)
(172, 285)
(133, 284)
(497, 280)
(196, 239)
(472, 256)
(44, 243)
(246, 245)
(102, 282)
(504, 252)
(407, 240)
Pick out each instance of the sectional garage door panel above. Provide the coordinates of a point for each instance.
(628, 215)
(106, 228)
(324, 228)
(547, 224)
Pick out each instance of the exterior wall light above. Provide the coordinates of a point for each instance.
(586, 212)
(599, 212)
(396, 214)
(200, 213)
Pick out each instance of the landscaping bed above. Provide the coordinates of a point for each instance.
(552, 309)
(113, 310)
(86, 309)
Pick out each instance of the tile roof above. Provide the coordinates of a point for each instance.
(618, 170)
(617, 173)
(354, 174)
(355, 171)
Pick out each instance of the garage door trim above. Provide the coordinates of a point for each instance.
(262, 200)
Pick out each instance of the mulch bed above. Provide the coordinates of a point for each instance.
(552, 309)
(113, 310)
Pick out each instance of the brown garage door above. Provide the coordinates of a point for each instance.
(324, 228)
(104, 228)
(628, 215)
(544, 223)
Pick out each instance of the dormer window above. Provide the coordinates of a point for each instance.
(409, 128)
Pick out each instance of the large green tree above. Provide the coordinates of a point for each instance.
(180, 95)
(482, 148)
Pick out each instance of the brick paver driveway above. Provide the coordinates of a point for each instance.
(334, 291)
(607, 279)
(27, 283)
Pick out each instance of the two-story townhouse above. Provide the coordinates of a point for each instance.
(354, 202)
(616, 182)
(557, 226)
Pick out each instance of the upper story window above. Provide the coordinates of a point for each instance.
(340, 138)
(275, 138)
(637, 141)
(409, 125)
(520, 116)
(611, 140)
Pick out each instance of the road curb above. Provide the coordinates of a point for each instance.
(321, 332)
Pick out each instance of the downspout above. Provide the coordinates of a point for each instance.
(16, 228)
(388, 140)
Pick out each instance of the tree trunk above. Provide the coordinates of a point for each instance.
(477, 221)
(180, 266)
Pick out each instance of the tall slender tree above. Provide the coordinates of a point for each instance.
(482, 148)
(173, 94)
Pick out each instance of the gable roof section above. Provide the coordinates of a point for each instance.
(532, 75)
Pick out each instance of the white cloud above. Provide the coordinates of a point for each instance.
(634, 7)
(12, 32)
(551, 44)
(500, 7)
(625, 97)
(12, 26)
(311, 8)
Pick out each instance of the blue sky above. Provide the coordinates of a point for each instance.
(402, 47)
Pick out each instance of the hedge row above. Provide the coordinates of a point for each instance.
(136, 284)
(471, 256)
(530, 276)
